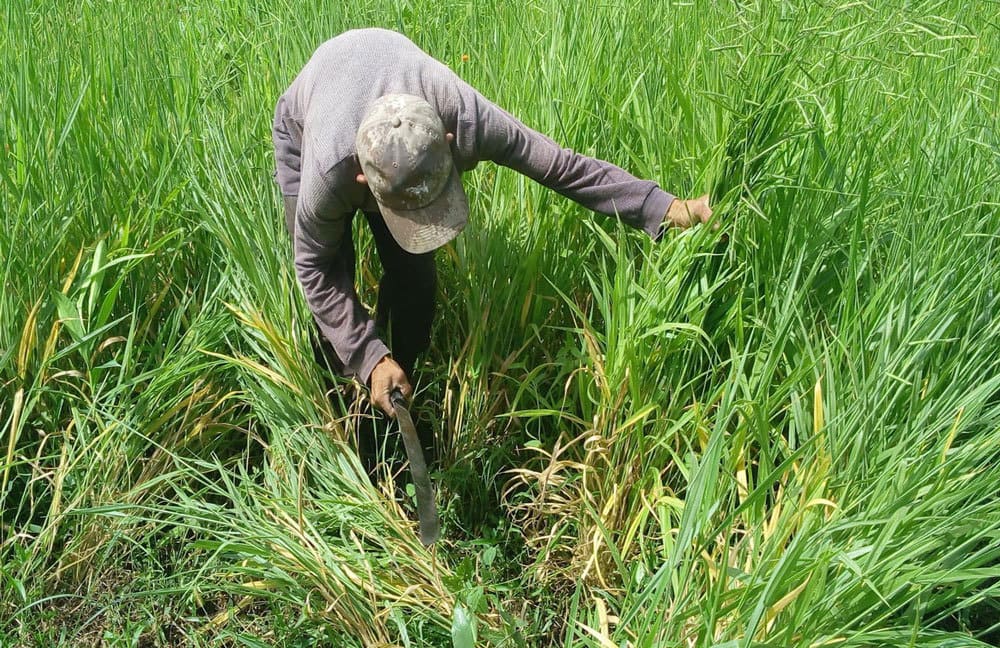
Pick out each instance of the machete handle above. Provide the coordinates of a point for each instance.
(397, 398)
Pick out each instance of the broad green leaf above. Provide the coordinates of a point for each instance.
(463, 633)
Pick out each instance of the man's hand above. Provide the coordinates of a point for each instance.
(386, 376)
(685, 213)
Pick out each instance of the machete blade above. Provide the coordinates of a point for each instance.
(426, 507)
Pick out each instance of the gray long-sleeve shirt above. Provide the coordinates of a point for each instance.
(315, 124)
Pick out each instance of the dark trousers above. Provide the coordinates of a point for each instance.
(403, 315)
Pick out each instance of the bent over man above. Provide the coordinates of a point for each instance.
(373, 124)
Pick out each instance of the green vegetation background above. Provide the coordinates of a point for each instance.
(784, 433)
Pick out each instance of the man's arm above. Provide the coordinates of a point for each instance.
(595, 184)
(322, 246)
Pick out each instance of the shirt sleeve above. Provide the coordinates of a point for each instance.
(323, 264)
(595, 184)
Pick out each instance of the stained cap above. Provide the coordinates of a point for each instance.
(408, 164)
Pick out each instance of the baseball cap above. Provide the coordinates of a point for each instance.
(410, 171)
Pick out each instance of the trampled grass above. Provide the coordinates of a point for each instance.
(784, 433)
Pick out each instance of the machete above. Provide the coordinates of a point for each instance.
(426, 509)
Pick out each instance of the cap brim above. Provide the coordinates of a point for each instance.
(421, 230)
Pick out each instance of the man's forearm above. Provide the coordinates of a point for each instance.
(591, 182)
(342, 319)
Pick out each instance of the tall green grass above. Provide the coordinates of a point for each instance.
(783, 433)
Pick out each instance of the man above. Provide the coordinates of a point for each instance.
(374, 124)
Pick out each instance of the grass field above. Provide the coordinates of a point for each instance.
(783, 433)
